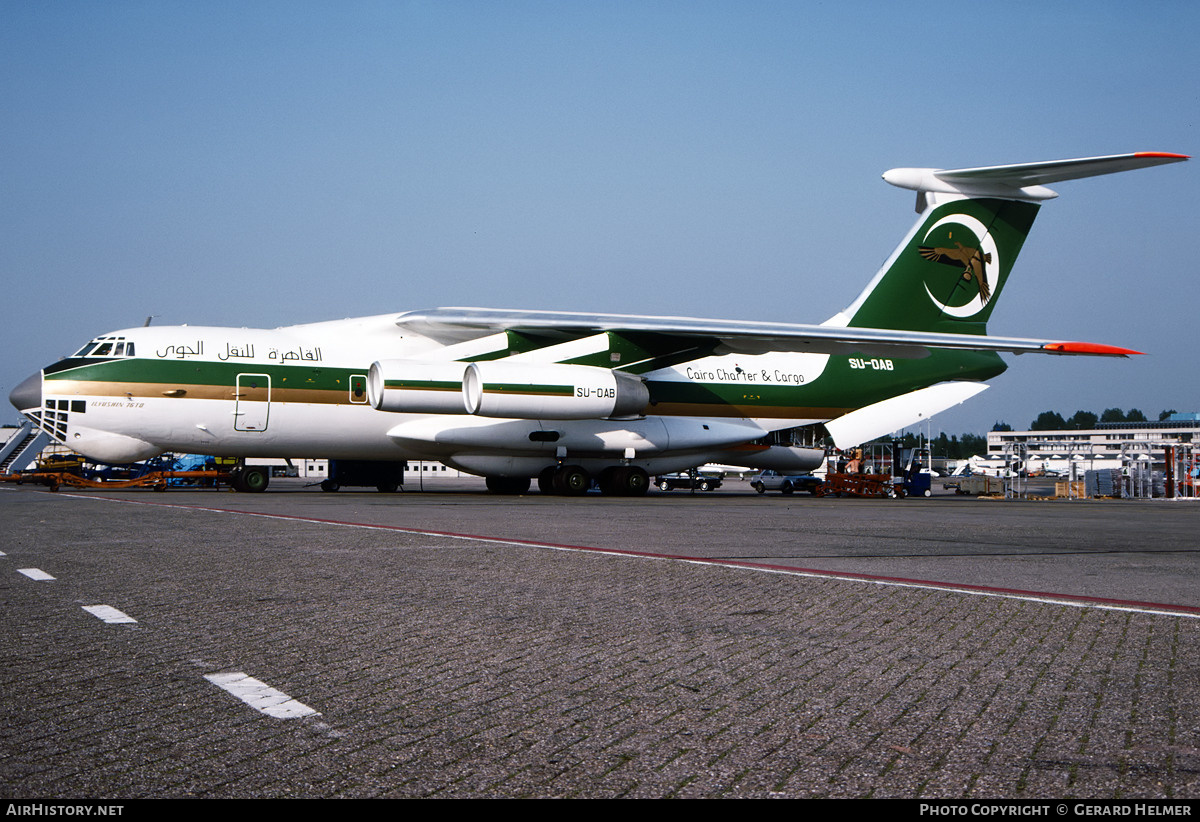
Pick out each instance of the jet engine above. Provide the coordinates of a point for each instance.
(551, 391)
(417, 387)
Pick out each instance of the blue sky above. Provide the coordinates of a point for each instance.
(263, 164)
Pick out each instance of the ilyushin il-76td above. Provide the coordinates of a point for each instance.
(568, 398)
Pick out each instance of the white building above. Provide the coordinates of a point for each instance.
(1108, 445)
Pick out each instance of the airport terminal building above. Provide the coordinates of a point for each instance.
(1108, 445)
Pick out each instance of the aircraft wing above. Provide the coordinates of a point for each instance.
(450, 325)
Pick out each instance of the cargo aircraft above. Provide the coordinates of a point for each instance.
(568, 398)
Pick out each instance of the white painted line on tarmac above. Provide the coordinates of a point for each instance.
(2, 554)
(108, 614)
(260, 696)
(34, 573)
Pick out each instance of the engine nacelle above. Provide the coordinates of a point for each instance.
(417, 387)
(551, 392)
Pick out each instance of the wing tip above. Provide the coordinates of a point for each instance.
(1164, 155)
(1096, 349)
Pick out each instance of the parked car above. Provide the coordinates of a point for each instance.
(785, 483)
(701, 482)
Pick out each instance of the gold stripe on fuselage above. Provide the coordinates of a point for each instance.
(326, 396)
(166, 390)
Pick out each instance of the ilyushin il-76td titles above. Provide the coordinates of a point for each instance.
(568, 398)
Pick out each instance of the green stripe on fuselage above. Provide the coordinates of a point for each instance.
(186, 373)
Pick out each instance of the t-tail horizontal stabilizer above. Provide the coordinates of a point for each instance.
(1021, 181)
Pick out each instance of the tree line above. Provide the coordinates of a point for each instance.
(949, 447)
(1083, 420)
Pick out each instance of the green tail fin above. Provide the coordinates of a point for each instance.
(950, 270)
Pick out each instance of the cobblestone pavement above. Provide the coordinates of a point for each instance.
(450, 667)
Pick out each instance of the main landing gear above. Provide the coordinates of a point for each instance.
(574, 480)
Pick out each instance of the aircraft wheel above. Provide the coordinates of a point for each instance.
(637, 481)
(571, 480)
(546, 480)
(330, 485)
(251, 480)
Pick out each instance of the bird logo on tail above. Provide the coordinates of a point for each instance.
(978, 260)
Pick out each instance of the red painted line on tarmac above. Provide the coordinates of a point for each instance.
(1070, 599)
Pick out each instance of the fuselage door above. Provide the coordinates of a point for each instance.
(252, 402)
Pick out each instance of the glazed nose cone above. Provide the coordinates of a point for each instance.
(28, 394)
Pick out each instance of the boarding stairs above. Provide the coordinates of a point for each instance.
(22, 448)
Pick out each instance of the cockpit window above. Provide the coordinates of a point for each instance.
(106, 347)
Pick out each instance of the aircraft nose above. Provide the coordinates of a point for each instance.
(27, 395)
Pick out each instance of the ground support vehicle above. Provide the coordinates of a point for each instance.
(917, 481)
(158, 480)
